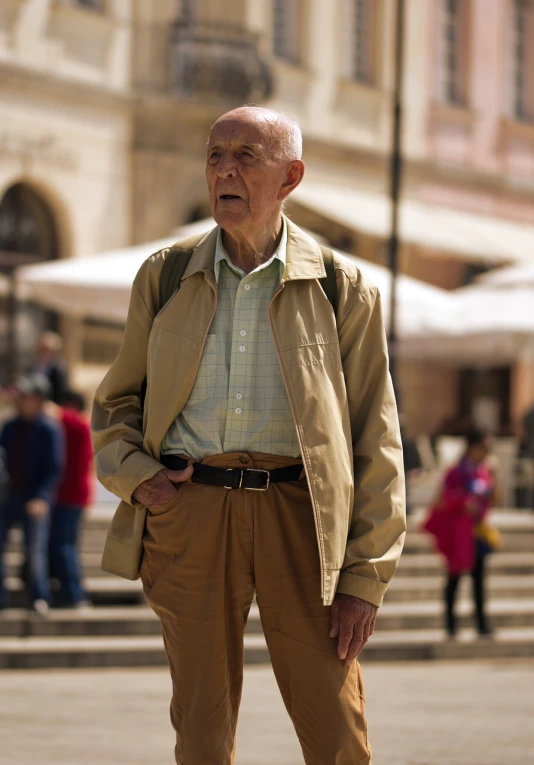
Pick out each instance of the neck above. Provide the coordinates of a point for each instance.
(247, 251)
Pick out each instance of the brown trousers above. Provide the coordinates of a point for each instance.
(206, 553)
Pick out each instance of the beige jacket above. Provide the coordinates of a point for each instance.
(338, 386)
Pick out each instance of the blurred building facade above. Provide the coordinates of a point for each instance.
(107, 105)
(65, 138)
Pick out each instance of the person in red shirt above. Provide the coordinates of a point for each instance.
(73, 495)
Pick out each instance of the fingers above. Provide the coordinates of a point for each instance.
(372, 625)
(356, 647)
(353, 627)
(362, 632)
(346, 632)
(179, 476)
(334, 620)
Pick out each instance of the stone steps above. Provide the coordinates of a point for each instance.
(66, 652)
(110, 590)
(404, 589)
(131, 621)
(424, 564)
(121, 630)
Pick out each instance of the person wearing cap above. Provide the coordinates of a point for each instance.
(33, 447)
(74, 494)
(49, 362)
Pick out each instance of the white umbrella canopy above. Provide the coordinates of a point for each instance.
(490, 326)
(422, 309)
(99, 287)
(512, 276)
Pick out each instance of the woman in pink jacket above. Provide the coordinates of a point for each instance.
(468, 493)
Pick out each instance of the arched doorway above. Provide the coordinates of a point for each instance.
(28, 234)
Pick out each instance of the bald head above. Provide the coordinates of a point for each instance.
(253, 164)
(284, 133)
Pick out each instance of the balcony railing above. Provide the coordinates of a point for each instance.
(217, 63)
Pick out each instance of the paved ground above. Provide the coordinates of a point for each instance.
(419, 714)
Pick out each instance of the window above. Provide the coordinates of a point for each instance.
(360, 43)
(286, 29)
(522, 61)
(93, 5)
(187, 9)
(452, 43)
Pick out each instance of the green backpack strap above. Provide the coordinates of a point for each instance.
(174, 267)
(172, 271)
(328, 283)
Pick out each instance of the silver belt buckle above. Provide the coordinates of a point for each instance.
(231, 470)
(255, 470)
(250, 470)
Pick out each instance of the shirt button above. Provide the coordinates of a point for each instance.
(242, 348)
(239, 396)
(243, 332)
(244, 460)
(238, 410)
(247, 286)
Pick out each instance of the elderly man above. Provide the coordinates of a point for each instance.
(267, 452)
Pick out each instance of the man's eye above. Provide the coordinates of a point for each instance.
(247, 154)
(214, 155)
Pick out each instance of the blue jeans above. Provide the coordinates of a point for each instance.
(64, 553)
(36, 534)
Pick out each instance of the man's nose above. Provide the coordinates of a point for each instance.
(226, 166)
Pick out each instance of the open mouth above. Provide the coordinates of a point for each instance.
(229, 197)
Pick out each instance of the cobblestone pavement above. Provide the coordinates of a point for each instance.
(419, 714)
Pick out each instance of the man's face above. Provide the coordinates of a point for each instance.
(244, 179)
(29, 406)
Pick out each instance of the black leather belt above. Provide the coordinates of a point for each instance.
(234, 478)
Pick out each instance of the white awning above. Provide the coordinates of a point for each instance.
(511, 276)
(474, 238)
(97, 286)
(488, 327)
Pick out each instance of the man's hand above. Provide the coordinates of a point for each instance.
(353, 621)
(37, 508)
(160, 489)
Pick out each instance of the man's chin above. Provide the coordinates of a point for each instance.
(229, 220)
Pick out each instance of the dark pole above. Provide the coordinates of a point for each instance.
(11, 329)
(395, 179)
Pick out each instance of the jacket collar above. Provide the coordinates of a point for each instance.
(304, 259)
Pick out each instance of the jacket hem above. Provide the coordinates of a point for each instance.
(371, 590)
(136, 469)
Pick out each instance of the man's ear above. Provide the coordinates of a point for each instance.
(294, 175)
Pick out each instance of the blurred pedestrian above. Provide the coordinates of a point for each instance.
(73, 496)
(458, 521)
(34, 449)
(49, 362)
(527, 440)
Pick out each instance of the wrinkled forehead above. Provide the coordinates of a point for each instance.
(236, 132)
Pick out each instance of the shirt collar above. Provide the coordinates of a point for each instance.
(279, 254)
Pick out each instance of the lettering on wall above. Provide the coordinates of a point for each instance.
(45, 148)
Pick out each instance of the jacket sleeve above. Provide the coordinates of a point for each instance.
(378, 524)
(53, 455)
(117, 417)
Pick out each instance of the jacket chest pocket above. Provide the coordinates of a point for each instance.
(317, 355)
(163, 339)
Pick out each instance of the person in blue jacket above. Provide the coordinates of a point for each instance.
(33, 447)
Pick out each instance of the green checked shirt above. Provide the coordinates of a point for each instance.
(238, 402)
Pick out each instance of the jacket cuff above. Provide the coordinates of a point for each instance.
(370, 590)
(135, 469)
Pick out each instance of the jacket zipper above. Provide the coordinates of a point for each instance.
(307, 466)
